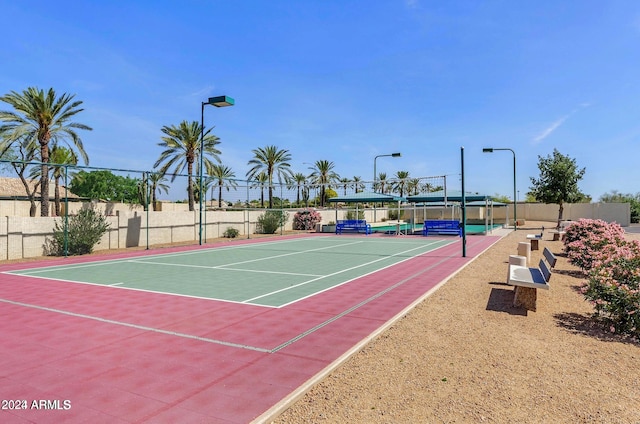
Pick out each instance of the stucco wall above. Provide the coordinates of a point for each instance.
(24, 237)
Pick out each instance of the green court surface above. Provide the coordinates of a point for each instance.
(268, 274)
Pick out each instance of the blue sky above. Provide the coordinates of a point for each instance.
(348, 80)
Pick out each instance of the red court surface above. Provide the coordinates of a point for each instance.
(78, 353)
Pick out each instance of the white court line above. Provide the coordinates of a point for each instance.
(332, 274)
(221, 267)
(137, 326)
(30, 271)
(250, 260)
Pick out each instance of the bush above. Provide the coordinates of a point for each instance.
(84, 231)
(613, 270)
(613, 288)
(270, 221)
(231, 232)
(588, 241)
(351, 214)
(306, 219)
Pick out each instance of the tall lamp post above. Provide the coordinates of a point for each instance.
(395, 155)
(375, 176)
(218, 101)
(515, 200)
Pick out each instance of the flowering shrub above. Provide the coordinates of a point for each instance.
(613, 268)
(613, 288)
(306, 219)
(588, 241)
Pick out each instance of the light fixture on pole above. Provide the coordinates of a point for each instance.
(394, 155)
(515, 200)
(375, 177)
(218, 101)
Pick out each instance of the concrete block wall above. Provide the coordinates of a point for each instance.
(24, 237)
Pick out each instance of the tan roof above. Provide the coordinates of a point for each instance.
(13, 188)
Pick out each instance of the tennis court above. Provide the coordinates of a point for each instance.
(226, 333)
(268, 274)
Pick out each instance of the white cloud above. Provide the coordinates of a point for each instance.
(555, 125)
(550, 129)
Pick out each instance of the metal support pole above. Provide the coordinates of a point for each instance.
(464, 208)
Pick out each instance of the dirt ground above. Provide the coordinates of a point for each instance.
(466, 355)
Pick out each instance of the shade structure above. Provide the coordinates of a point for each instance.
(367, 196)
(449, 196)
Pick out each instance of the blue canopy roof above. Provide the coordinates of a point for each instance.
(451, 196)
(367, 196)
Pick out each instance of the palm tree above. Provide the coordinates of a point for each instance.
(60, 156)
(358, 184)
(400, 182)
(298, 180)
(413, 186)
(182, 148)
(259, 181)
(323, 175)
(270, 160)
(157, 183)
(345, 184)
(223, 176)
(42, 118)
(381, 184)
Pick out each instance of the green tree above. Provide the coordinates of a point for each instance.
(105, 185)
(358, 185)
(60, 156)
(345, 183)
(260, 180)
(222, 176)
(42, 118)
(558, 182)
(324, 176)
(24, 152)
(298, 181)
(413, 186)
(632, 199)
(182, 149)
(270, 160)
(382, 183)
(401, 181)
(157, 183)
(501, 198)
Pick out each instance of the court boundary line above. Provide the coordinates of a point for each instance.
(117, 285)
(240, 345)
(345, 270)
(136, 326)
(156, 255)
(277, 409)
(359, 305)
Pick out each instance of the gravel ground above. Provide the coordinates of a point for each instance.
(466, 354)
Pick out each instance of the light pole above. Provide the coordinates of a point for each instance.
(515, 200)
(395, 155)
(218, 101)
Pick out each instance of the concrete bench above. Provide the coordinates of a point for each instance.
(534, 239)
(441, 227)
(528, 280)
